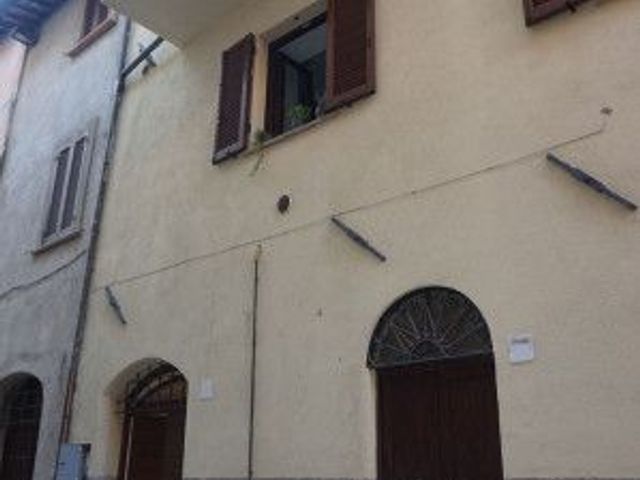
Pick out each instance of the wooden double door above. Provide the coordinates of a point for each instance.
(439, 421)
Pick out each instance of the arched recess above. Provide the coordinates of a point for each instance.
(437, 400)
(153, 402)
(21, 400)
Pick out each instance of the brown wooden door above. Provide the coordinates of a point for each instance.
(156, 447)
(439, 422)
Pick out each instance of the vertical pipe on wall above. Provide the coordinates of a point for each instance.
(252, 386)
(91, 255)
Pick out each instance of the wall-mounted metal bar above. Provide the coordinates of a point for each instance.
(358, 239)
(113, 301)
(252, 373)
(140, 58)
(591, 182)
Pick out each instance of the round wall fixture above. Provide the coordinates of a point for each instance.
(284, 202)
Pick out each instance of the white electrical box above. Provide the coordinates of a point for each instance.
(72, 461)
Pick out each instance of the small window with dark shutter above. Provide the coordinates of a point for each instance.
(95, 13)
(66, 194)
(98, 19)
(539, 10)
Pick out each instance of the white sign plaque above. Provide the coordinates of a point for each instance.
(206, 389)
(521, 349)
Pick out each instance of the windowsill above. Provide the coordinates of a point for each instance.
(91, 37)
(56, 240)
(291, 133)
(254, 149)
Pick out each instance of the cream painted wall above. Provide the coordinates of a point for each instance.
(443, 169)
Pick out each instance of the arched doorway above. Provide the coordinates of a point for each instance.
(155, 407)
(21, 409)
(437, 401)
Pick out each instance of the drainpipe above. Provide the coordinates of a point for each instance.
(252, 386)
(91, 254)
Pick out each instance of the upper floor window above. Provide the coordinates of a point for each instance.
(98, 19)
(66, 192)
(323, 61)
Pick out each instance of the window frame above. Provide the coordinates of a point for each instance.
(271, 48)
(74, 229)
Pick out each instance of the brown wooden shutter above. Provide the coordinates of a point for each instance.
(235, 99)
(538, 10)
(350, 51)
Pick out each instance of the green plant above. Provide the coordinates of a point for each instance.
(299, 113)
(260, 137)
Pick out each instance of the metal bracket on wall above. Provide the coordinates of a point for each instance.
(113, 302)
(592, 182)
(358, 239)
(145, 54)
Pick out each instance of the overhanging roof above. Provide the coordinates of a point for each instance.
(175, 20)
(22, 19)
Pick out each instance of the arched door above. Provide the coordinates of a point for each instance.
(154, 425)
(437, 401)
(20, 427)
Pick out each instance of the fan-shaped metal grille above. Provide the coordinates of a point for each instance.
(159, 388)
(428, 325)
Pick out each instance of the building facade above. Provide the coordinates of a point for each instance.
(49, 188)
(11, 58)
(357, 239)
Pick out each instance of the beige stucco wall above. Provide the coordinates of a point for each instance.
(443, 170)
